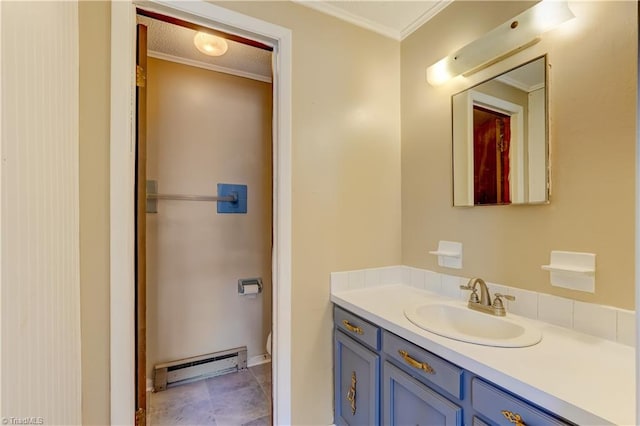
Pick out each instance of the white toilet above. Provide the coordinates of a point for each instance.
(268, 347)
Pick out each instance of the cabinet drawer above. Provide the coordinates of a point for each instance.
(410, 402)
(505, 409)
(424, 364)
(357, 328)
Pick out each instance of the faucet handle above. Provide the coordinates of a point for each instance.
(498, 306)
(497, 302)
(473, 297)
(506, 296)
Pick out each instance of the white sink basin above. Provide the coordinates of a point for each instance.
(458, 322)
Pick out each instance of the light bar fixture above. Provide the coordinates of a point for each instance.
(511, 37)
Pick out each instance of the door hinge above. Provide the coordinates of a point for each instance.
(141, 417)
(141, 76)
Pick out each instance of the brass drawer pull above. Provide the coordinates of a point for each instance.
(352, 328)
(351, 394)
(416, 364)
(513, 418)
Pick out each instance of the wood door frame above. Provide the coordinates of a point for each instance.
(141, 225)
(122, 205)
(516, 112)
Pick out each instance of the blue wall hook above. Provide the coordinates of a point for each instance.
(239, 192)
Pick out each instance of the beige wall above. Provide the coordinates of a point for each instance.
(206, 128)
(95, 35)
(346, 177)
(592, 89)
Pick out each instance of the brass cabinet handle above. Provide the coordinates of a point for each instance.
(351, 394)
(416, 364)
(513, 418)
(352, 328)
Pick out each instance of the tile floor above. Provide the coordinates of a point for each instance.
(236, 399)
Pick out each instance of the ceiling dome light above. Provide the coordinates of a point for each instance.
(210, 45)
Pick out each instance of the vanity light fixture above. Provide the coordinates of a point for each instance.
(516, 34)
(209, 44)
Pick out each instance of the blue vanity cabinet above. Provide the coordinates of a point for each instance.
(406, 401)
(381, 378)
(357, 370)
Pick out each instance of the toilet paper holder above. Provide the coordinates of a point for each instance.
(243, 282)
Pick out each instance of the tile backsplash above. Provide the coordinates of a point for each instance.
(598, 320)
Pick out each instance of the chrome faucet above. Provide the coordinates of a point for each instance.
(483, 303)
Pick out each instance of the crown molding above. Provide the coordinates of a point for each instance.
(399, 35)
(518, 84)
(352, 18)
(424, 18)
(207, 66)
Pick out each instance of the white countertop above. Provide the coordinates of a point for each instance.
(585, 379)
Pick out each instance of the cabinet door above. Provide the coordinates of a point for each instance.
(407, 401)
(357, 383)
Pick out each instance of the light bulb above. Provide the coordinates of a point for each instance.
(439, 72)
(210, 45)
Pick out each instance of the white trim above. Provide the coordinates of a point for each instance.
(207, 14)
(519, 84)
(1, 162)
(122, 208)
(337, 12)
(516, 161)
(259, 360)
(424, 18)
(121, 175)
(207, 66)
(463, 152)
(368, 24)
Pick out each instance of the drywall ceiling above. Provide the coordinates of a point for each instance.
(175, 43)
(393, 18)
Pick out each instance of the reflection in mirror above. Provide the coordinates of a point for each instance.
(500, 147)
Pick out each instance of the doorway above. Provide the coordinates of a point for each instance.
(206, 123)
(491, 156)
(203, 260)
(122, 206)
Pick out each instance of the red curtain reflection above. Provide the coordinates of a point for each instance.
(491, 141)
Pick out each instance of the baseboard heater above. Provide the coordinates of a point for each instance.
(199, 367)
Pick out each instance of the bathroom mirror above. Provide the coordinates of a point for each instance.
(500, 139)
